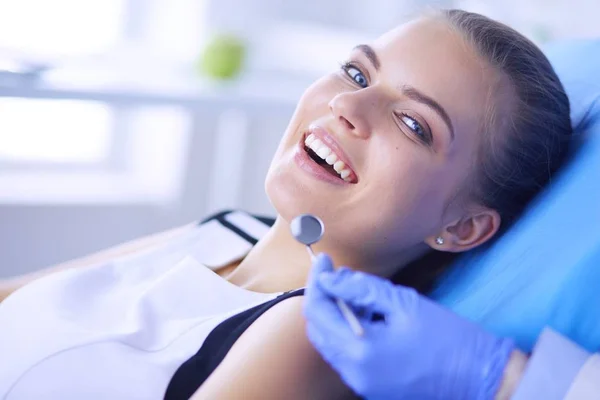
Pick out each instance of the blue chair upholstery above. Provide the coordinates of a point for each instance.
(545, 271)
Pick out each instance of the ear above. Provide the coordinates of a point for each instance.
(467, 232)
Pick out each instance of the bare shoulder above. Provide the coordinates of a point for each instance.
(273, 359)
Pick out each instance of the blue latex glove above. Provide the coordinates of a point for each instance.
(419, 351)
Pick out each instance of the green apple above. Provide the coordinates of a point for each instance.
(223, 57)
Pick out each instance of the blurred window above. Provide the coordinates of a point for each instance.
(92, 47)
(46, 130)
(60, 27)
(54, 131)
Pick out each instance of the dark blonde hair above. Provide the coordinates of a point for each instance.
(523, 145)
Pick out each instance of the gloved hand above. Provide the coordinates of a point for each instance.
(420, 350)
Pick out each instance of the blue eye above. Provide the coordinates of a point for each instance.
(417, 128)
(413, 125)
(356, 75)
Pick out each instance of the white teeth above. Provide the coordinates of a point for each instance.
(324, 152)
(331, 159)
(339, 166)
(316, 145)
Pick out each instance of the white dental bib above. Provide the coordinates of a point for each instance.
(120, 330)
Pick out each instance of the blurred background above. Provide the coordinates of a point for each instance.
(120, 118)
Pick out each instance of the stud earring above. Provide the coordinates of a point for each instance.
(439, 240)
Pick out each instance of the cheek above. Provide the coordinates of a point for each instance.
(285, 192)
(406, 192)
(313, 104)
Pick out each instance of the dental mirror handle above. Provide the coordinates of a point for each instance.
(344, 308)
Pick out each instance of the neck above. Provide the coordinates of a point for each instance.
(278, 263)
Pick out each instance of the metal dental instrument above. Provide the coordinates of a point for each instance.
(308, 230)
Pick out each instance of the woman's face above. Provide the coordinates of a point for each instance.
(400, 124)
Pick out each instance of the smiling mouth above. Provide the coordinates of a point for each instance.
(327, 159)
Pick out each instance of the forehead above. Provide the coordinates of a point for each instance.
(434, 58)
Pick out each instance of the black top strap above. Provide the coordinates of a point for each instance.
(221, 217)
(198, 368)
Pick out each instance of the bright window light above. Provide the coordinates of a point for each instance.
(156, 141)
(60, 27)
(54, 131)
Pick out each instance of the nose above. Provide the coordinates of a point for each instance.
(351, 113)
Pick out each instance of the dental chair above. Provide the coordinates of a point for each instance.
(545, 271)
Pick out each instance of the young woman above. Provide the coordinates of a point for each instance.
(428, 141)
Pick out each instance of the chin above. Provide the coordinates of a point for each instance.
(291, 196)
(287, 195)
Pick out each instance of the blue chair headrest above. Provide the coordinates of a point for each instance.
(576, 62)
(545, 271)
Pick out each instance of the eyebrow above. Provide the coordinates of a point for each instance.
(420, 97)
(370, 53)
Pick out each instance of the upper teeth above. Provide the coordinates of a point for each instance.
(321, 149)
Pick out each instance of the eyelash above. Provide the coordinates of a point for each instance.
(424, 136)
(347, 66)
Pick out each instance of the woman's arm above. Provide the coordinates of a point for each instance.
(512, 375)
(7, 286)
(273, 359)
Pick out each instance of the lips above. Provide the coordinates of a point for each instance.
(325, 151)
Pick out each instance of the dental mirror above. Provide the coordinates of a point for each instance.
(308, 230)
